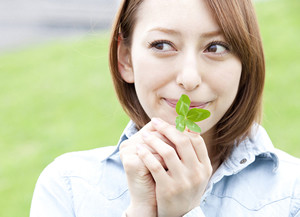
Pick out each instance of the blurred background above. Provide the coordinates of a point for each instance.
(56, 95)
(23, 23)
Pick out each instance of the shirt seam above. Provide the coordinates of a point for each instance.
(114, 198)
(298, 210)
(254, 209)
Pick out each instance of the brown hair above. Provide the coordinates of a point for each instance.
(238, 23)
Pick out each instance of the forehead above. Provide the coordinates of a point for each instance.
(190, 16)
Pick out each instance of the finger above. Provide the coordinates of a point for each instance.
(155, 154)
(136, 139)
(181, 141)
(130, 159)
(163, 138)
(129, 146)
(149, 128)
(129, 149)
(199, 147)
(153, 165)
(167, 153)
(158, 135)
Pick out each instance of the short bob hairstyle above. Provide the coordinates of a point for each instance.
(238, 23)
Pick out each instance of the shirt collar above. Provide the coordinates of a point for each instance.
(129, 131)
(258, 144)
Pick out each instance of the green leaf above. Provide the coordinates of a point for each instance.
(180, 123)
(187, 117)
(196, 114)
(183, 105)
(192, 126)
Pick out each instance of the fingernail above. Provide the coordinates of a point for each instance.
(156, 121)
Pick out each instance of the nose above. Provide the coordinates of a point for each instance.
(189, 77)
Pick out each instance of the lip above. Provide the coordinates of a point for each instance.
(173, 102)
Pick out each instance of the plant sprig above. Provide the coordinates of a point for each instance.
(187, 117)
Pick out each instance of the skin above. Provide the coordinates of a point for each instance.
(177, 48)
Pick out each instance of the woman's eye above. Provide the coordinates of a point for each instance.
(162, 46)
(216, 49)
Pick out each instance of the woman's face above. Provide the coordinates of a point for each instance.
(178, 48)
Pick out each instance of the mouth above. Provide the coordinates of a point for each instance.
(173, 102)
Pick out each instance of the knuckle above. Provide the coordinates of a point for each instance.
(164, 128)
(149, 138)
(126, 149)
(209, 170)
(183, 140)
(202, 174)
(156, 168)
(129, 165)
(194, 136)
(197, 139)
(168, 153)
(187, 184)
(197, 179)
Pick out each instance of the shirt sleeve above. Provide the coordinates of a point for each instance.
(196, 212)
(52, 196)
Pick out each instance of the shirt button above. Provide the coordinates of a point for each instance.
(243, 161)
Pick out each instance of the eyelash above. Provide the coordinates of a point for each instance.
(154, 43)
(223, 44)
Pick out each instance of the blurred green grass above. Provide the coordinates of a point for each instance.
(55, 98)
(280, 26)
(58, 97)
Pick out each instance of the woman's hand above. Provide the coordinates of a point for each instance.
(140, 182)
(179, 188)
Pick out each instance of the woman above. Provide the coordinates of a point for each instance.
(211, 51)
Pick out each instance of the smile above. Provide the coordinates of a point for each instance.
(173, 102)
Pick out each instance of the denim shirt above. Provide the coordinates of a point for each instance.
(256, 180)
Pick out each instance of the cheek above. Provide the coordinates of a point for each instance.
(150, 71)
(226, 78)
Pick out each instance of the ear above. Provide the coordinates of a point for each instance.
(124, 61)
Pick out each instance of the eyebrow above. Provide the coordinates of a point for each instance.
(174, 32)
